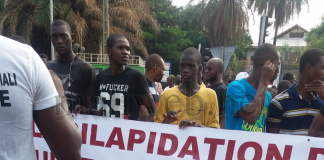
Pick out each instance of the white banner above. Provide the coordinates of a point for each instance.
(118, 139)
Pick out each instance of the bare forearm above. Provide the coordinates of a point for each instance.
(151, 115)
(60, 132)
(251, 112)
(150, 106)
(316, 133)
(256, 104)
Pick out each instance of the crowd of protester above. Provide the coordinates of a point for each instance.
(198, 97)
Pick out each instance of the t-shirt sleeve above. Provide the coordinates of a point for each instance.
(91, 82)
(158, 118)
(44, 91)
(235, 99)
(141, 85)
(213, 112)
(274, 114)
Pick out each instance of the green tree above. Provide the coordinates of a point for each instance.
(315, 37)
(30, 18)
(281, 10)
(190, 21)
(178, 31)
(169, 44)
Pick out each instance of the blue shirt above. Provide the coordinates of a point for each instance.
(291, 113)
(241, 93)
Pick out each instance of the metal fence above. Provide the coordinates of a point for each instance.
(103, 58)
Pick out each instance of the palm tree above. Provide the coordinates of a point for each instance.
(283, 10)
(30, 18)
(224, 21)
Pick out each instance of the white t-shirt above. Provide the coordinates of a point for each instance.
(25, 85)
(167, 87)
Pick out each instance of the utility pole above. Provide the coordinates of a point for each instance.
(105, 21)
(51, 19)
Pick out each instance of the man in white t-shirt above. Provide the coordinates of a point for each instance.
(27, 92)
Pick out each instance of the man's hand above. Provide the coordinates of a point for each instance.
(316, 86)
(170, 117)
(143, 113)
(80, 109)
(267, 72)
(187, 122)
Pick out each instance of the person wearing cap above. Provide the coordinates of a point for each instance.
(247, 99)
(170, 81)
(241, 75)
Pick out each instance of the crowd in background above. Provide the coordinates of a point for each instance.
(198, 97)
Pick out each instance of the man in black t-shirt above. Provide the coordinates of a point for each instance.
(77, 76)
(213, 75)
(123, 90)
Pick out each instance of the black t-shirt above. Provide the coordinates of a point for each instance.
(220, 90)
(82, 80)
(120, 94)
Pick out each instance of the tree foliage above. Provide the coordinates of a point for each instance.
(23, 17)
(281, 10)
(315, 37)
(179, 29)
(223, 21)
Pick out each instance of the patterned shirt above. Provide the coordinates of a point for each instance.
(291, 113)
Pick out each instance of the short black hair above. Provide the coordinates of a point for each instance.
(151, 61)
(193, 51)
(60, 22)
(283, 85)
(272, 91)
(263, 53)
(112, 39)
(288, 76)
(312, 56)
(18, 39)
(43, 56)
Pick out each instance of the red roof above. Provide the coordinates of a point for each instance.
(290, 29)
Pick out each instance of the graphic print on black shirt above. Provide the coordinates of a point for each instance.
(82, 80)
(120, 94)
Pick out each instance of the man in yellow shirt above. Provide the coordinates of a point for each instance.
(188, 104)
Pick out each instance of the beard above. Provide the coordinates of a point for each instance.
(212, 78)
(159, 78)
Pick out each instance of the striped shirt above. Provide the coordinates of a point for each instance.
(291, 113)
(154, 92)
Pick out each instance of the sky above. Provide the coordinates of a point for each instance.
(308, 18)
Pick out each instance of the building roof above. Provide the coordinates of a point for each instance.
(290, 29)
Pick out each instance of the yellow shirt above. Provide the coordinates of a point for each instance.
(202, 84)
(201, 107)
